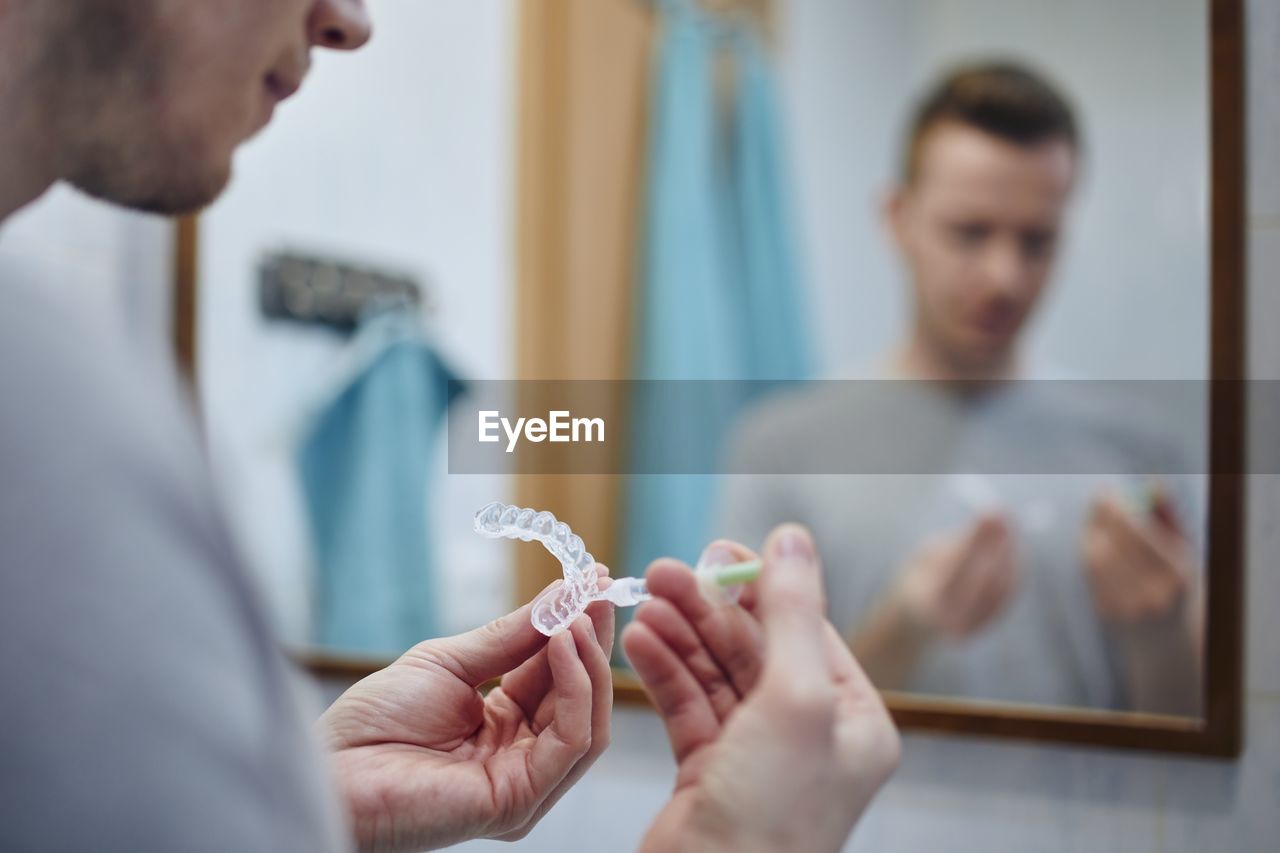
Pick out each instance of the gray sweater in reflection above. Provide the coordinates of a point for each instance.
(906, 460)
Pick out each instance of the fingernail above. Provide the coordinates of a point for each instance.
(716, 554)
(794, 543)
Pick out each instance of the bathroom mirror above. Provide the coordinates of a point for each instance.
(1135, 293)
(514, 200)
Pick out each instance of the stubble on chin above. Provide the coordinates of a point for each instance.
(168, 176)
(124, 135)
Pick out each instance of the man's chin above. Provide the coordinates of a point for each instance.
(984, 354)
(186, 195)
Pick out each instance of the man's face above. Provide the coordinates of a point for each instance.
(979, 229)
(160, 93)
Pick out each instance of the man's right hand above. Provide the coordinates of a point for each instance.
(424, 760)
(953, 586)
(956, 583)
(780, 738)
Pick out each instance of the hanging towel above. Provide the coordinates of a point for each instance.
(773, 299)
(365, 468)
(718, 290)
(684, 315)
(684, 320)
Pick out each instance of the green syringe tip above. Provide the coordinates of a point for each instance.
(1145, 497)
(734, 574)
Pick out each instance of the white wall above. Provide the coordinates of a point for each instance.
(1129, 298)
(400, 156)
(843, 83)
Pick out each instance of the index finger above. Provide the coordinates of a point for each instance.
(529, 683)
(731, 634)
(558, 747)
(988, 533)
(1128, 532)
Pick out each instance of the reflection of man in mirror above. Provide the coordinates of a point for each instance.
(1049, 589)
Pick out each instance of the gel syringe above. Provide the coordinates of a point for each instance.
(562, 602)
(625, 592)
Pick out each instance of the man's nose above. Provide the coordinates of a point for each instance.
(1004, 267)
(339, 24)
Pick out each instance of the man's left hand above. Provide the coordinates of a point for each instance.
(1139, 566)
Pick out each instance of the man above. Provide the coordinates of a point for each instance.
(1041, 589)
(146, 704)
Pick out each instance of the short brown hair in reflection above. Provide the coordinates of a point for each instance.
(1004, 99)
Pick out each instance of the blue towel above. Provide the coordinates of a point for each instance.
(364, 465)
(718, 290)
(773, 301)
(684, 322)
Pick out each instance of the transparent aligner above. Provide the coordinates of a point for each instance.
(561, 603)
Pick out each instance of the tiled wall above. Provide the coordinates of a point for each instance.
(960, 795)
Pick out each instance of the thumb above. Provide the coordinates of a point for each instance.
(1163, 511)
(792, 606)
(987, 529)
(493, 649)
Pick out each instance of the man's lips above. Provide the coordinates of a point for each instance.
(278, 86)
(996, 320)
(281, 86)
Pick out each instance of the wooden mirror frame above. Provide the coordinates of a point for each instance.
(582, 74)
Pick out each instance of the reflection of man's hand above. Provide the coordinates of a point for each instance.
(957, 583)
(1138, 566)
